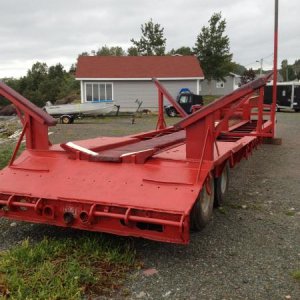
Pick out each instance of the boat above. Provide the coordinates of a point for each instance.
(68, 112)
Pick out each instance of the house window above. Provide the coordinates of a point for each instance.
(220, 84)
(96, 92)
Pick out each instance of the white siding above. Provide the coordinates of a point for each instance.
(126, 92)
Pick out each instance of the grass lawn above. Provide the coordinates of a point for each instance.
(296, 275)
(6, 151)
(64, 269)
(208, 99)
(69, 268)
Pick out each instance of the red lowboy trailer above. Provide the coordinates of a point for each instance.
(155, 185)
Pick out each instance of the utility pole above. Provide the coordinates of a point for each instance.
(273, 109)
(261, 61)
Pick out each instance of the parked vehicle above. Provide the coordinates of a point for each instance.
(187, 101)
(288, 95)
(68, 112)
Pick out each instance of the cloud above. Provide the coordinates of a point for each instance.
(57, 31)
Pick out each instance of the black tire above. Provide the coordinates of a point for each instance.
(66, 120)
(171, 112)
(277, 108)
(221, 187)
(297, 109)
(202, 210)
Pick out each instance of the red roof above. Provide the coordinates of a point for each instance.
(138, 67)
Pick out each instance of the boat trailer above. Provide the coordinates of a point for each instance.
(156, 185)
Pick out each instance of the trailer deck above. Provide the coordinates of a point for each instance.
(151, 185)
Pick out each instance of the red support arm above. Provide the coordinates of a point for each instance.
(204, 120)
(224, 101)
(162, 90)
(35, 119)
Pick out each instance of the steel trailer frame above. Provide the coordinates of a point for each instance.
(143, 185)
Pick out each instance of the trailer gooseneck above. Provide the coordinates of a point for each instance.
(155, 185)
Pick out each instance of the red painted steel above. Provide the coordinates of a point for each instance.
(34, 119)
(163, 92)
(275, 62)
(142, 185)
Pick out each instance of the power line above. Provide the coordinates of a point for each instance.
(256, 60)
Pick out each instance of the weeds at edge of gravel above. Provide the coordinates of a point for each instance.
(251, 206)
(222, 210)
(5, 155)
(290, 213)
(296, 275)
(6, 152)
(64, 269)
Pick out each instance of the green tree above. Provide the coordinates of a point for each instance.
(212, 49)
(84, 54)
(181, 51)
(37, 74)
(117, 51)
(103, 51)
(296, 68)
(248, 75)
(132, 51)
(13, 83)
(32, 82)
(56, 71)
(72, 69)
(42, 84)
(287, 71)
(111, 51)
(238, 69)
(152, 41)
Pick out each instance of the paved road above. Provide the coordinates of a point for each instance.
(250, 248)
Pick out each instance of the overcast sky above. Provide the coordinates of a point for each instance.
(58, 30)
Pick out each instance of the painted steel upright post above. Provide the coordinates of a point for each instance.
(161, 124)
(273, 110)
(260, 110)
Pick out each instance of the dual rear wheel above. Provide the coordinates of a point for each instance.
(212, 195)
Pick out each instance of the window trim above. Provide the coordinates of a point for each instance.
(220, 84)
(98, 83)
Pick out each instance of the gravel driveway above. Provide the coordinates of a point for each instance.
(252, 245)
(248, 251)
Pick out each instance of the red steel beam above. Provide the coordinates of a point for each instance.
(273, 108)
(162, 90)
(36, 119)
(26, 106)
(224, 101)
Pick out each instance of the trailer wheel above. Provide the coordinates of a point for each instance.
(67, 120)
(221, 186)
(171, 112)
(203, 208)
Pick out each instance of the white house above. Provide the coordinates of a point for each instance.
(220, 88)
(127, 78)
